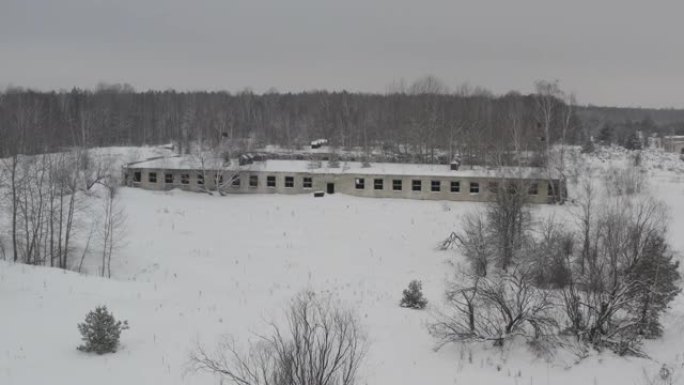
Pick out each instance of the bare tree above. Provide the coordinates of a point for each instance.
(624, 181)
(322, 344)
(12, 165)
(629, 276)
(508, 219)
(491, 238)
(69, 170)
(112, 226)
(32, 207)
(548, 251)
(496, 308)
(3, 251)
(459, 323)
(44, 198)
(429, 116)
(584, 214)
(546, 100)
(566, 125)
(475, 243)
(611, 291)
(93, 171)
(218, 164)
(555, 115)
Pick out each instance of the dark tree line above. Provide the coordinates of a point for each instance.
(419, 121)
(613, 125)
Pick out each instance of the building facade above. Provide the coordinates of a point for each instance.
(674, 144)
(433, 182)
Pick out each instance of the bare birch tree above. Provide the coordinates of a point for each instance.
(322, 344)
(495, 309)
(555, 114)
(112, 226)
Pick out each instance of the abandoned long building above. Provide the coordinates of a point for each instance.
(674, 143)
(380, 180)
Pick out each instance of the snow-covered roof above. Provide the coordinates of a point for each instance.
(178, 163)
(354, 168)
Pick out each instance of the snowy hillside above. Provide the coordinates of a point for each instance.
(195, 267)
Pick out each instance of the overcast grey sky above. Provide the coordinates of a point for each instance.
(609, 52)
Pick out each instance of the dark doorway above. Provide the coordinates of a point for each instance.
(331, 188)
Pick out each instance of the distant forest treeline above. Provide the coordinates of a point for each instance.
(663, 117)
(618, 124)
(422, 119)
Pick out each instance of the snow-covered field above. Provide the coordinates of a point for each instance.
(195, 267)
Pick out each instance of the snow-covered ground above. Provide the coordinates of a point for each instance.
(195, 267)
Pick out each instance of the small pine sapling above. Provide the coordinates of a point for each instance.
(101, 331)
(413, 296)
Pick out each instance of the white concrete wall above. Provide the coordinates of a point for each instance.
(344, 184)
(676, 146)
